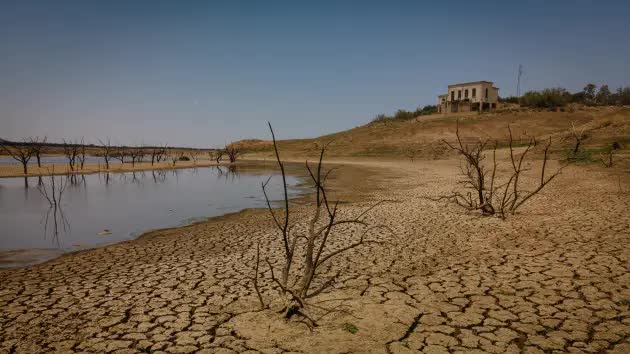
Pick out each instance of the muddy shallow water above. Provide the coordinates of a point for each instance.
(99, 209)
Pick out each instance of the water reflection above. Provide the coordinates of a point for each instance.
(227, 172)
(125, 204)
(53, 193)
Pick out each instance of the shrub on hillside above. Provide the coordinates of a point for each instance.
(547, 98)
(509, 99)
(403, 115)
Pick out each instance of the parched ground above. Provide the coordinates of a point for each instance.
(554, 278)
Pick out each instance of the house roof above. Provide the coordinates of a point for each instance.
(471, 83)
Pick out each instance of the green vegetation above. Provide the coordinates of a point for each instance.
(547, 98)
(509, 99)
(402, 115)
(592, 155)
(552, 98)
(350, 328)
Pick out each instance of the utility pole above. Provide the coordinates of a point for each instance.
(518, 80)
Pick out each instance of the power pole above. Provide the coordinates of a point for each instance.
(518, 80)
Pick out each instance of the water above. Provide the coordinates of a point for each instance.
(99, 209)
(5, 160)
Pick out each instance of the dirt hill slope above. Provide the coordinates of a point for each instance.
(423, 136)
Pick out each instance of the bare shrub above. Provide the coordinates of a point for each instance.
(19, 152)
(578, 136)
(481, 191)
(308, 249)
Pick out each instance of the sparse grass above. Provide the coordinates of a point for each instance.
(350, 328)
(394, 138)
(586, 155)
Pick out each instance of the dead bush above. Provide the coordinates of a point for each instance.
(481, 186)
(306, 253)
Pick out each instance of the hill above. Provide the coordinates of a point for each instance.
(422, 137)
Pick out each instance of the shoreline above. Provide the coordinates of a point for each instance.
(25, 256)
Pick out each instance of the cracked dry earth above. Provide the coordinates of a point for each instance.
(554, 278)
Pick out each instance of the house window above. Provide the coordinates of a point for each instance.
(486, 93)
(466, 93)
(459, 94)
(474, 92)
(452, 95)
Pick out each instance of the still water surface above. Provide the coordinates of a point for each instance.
(6, 160)
(98, 209)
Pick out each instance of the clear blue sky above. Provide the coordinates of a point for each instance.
(200, 73)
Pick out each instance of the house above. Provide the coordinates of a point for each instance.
(468, 97)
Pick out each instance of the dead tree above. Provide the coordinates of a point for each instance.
(578, 136)
(19, 152)
(194, 155)
(136, 154)
(232, 152)
(309, 248)
(475, 173)
(107, 151)
(81, 154)
(176, 156)
(38, 146)
(513, 195)
(71, 150)
(481, 180)
(157, 154)
(607, 160)
(218, 155)
(120, 154)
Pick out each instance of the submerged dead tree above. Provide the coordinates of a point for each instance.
(306, 253)
(481, 188)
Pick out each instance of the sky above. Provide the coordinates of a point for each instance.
(203, 73)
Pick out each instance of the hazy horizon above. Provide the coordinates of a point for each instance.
(201, 73)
